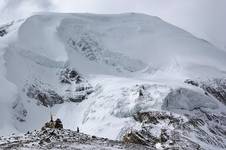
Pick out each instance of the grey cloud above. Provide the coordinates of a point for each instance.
(45, 4)
(17, 9)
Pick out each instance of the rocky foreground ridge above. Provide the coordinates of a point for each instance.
(51, 138)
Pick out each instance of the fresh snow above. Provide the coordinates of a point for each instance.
(117, 54)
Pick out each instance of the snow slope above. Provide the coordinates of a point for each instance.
(130, 62)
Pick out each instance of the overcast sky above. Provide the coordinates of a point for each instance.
(204, 18)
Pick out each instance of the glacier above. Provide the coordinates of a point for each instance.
(113, 67)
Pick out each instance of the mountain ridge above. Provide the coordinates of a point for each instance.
(98, 71)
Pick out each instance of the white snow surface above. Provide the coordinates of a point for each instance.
(124, 51)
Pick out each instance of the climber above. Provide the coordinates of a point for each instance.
(141, 93)
(77, 129)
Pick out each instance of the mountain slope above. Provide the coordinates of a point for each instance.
(99, 71)
(63, 139)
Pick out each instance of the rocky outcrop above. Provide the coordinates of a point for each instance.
(2, 32)
(4, 28)
(50, 138)
(157, 128)
(44, 96)
(136, 138)
(20, 113)
(191, 82)
(68, 76)
(185, 131)
(156, 117)
(189, 119)
(75, 88)
(78, 88)
(215, 87)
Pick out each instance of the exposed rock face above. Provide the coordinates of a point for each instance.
(214, 87)
(136, 138)
(217, 88)
(78, 88)
(2, 32)
(191, 82)
(67, 76)
(155, 117)
(191, 120)
(157, 128)
(4, 28)
(87, 46)
(19, 111)
(75, 88)
(172, 131)
(63, 139)
(45, 97)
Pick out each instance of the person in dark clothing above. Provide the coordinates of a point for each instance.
(141, 93)
(77, 129)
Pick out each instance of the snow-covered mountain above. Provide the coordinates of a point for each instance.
(110, 74)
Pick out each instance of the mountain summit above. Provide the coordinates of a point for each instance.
(129, 77)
